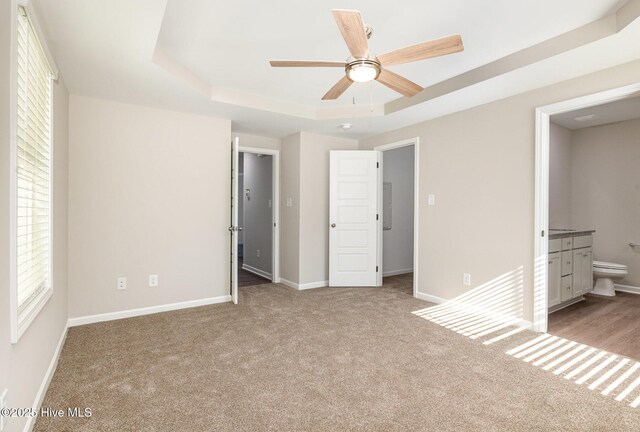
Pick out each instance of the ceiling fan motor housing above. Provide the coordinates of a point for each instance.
(363, 69)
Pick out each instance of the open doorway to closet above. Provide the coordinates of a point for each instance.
(399, 228)
(255, 218)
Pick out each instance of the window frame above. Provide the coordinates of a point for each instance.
(23, 315)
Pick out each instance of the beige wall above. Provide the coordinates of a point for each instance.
(480, 165)
(148, 194)
(559, 177)
(290, 216)
(314, 203)
(606, 191)
(304, 225)
(23, 365)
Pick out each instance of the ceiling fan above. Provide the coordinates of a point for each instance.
(362, 66)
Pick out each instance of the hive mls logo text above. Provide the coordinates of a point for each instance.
(78, 412)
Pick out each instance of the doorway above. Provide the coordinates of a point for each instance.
(255, 224)
(398, 184)
(545, 244)
(399, 206)
(356, 233)
(255, 204)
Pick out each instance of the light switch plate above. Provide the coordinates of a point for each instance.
(466, 279)
(153, 280)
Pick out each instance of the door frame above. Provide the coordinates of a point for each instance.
(541, 212)
(275, 206)
(415, 142)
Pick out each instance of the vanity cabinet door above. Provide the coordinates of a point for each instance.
(566, 289)
(567, 262)
(587, 270)
(555, 275)
(582, 271)
(577, 273)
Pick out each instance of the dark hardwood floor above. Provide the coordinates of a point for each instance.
(246, 278)
(608, 323)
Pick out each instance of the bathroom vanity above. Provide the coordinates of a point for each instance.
(570, 271)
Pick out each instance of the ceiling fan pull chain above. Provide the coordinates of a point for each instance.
(371, 96)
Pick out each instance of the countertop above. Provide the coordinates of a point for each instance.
(555, 234)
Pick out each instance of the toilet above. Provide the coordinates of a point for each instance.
(605, 272)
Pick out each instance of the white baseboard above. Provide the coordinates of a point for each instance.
(304, 286)
(146, 311)
(397, 272)
(430, 298)
(288, 283)
(561, 306)
(439, 300)
(627, 288)
(524, 323)
(311, 285)
(256, 271)
(46, 380)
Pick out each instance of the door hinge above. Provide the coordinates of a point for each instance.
(377, 217)
(377, 164)
(376, 269)
(542, 234)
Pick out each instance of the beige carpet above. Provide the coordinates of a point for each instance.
(326, 359)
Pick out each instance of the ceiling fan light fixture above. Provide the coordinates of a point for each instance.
(362, 71)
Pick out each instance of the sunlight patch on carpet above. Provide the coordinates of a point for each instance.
(609, 374)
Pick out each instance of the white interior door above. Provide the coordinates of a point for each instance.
(233, 228)
(353, 208)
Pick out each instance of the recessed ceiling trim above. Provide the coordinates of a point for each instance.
(597, 30)
(581, 36)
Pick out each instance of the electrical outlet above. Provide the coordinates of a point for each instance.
(466, 279)
(153, 280)
(269, 203)
(258, 253)
(122, 283)
(3, 404)
(289, 202)
(431, 199)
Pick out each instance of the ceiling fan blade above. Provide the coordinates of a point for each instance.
(340, 87)
(352, 28)
(305, 63)
(424, 50)
(398, 83)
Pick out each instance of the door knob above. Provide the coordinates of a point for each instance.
(333, 225)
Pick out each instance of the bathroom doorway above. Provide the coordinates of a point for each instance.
(587, 285)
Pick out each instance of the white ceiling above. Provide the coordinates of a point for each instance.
(626, 109)
(211, 57)
(229, 44)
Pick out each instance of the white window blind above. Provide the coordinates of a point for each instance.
(33, 166)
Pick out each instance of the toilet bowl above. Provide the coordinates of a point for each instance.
(605, 272)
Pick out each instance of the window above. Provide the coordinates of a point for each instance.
(32, 183)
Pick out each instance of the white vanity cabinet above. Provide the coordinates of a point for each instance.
(570, 268)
